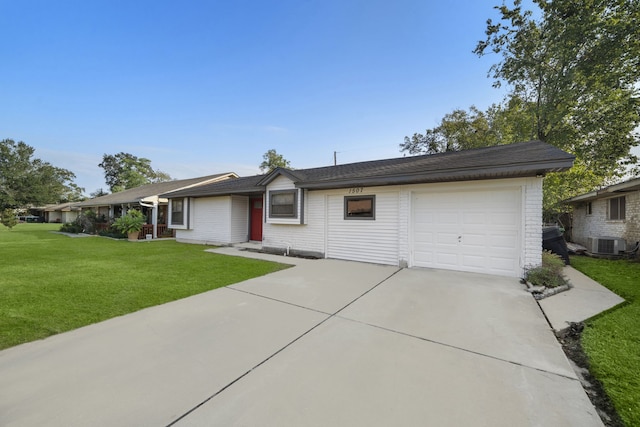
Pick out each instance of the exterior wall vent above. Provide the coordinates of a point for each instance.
(606, 245)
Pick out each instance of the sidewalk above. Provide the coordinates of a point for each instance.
(586, 299)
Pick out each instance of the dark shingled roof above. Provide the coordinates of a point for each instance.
(134, 195)
(242, 185)
(502, 161)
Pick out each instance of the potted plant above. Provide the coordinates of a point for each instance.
(130, 224)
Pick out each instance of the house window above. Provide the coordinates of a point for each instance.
(617, 208)
(283, 204)
(359, 207)
(589, 208)
(177, 211)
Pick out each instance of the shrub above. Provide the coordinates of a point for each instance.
(548, 274)
(82, 224)
(112, 232)
(131, 222)
(9, 219)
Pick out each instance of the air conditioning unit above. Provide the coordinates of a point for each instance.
(606, 245)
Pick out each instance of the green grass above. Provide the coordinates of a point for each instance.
(51, 283)
(612, 340)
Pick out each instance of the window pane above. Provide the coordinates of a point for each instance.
(617, 208)
(177, 212)
(282, 209)
(359, 207)
(282, 199)
(613, 209)
(283, 204)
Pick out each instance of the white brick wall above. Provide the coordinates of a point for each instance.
(532, 244)
(597, 224)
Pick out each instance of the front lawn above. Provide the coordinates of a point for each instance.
(51, 283)
(612, 340)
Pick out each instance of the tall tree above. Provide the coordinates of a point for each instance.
(123, 171)
(98, 193)
(504, 123)
(576, 65)
(463, 130)
(27, 181)
(573, 72)
(272, 160)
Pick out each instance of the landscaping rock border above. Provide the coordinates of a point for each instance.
(542, 292)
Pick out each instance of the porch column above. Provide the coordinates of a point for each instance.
(154, 219)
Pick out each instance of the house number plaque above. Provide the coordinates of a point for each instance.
(356, 190)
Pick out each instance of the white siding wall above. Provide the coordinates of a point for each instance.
(56, 216)
(210, 220)
(283, 183)
(364, 240)
(239, 219)
(308, 237)
(69, 216)
(404, 217)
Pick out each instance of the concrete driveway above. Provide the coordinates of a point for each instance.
(324, 343)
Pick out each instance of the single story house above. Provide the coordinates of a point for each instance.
(475, 210)
(62, 213)
(608, 220)
(147, 199)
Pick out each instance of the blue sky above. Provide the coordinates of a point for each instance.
(202, 87)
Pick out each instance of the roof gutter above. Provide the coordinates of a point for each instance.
(459, 174)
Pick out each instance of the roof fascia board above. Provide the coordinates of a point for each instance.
(222, 193)
(623, 187)
(275, 173)
(532, 169)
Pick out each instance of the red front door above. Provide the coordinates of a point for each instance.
(255, 227)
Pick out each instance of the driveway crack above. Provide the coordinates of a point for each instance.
(240, 377)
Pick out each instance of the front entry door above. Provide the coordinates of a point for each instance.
(255, 232)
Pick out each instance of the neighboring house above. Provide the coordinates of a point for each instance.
(147, 198)
(602, 217)
(63, 213)
(476, 210)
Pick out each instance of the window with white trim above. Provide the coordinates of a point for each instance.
(283, 204)
(177, 212)
(360, 207)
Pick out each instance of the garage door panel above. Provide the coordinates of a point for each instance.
(424, 239)
(474, 261)
(504, 241)
(503, 219)
(475, 240)
(470, 231)
(474, 218)
(447, 259)
(447, 239)
(448, 218)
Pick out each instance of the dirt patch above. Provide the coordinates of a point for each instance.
(570, 339)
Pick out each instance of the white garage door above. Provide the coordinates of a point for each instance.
(468, 231)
